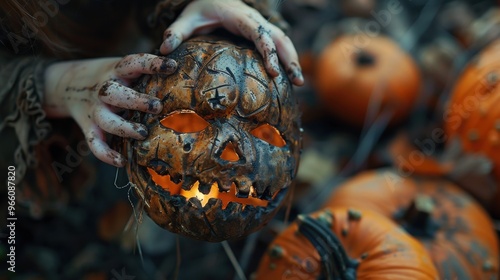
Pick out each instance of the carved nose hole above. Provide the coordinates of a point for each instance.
(229, 153)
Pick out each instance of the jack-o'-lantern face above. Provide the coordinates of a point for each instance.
(218, 159)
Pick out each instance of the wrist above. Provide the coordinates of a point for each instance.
(53, 104)
(65, 80)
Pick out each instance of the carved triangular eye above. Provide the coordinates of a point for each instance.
(184, 122)
(229, 153)
(269, 134)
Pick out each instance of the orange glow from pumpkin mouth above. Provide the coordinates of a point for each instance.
(166, 183)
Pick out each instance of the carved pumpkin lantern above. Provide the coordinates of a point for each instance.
(473, 117)
(221, 154)
(454, 228)
(345, 243)
(356, 73)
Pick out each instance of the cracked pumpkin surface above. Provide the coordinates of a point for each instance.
(220, 156)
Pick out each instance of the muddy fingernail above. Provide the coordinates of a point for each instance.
(299, 78)
(170, 44)
(121, 161)
(276, 69)
(167, 34)
(118, 159)
(155, 106)
(168, 66)
(143, 131)
(273, 70)
(295, 74)
(103, 91)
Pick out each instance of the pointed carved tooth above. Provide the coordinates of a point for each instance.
(224, 185)
(267, 194)
(242, 193)
(242, 188)
(259, 188)
(188, 182)
(176, 178)
(233, 207)
(204, 188)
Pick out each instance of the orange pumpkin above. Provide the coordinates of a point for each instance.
(410, 159)
(221, 155)
(472, 113)
(347, 244)
(455, 230)
(356, 71)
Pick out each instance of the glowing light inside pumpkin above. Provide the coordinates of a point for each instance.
(175, 189)
(194, 192)
(184, 121)
(187, 121)
(269, 134)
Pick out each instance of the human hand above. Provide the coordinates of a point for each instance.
(203, 16)
(92, 91)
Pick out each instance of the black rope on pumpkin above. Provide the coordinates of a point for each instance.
(417, 218)
(336, 262)
(305, 228)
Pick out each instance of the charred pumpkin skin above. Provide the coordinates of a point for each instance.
(472, 113)
(462, 246)
(381, 248)
(225, 83)
(350, 75)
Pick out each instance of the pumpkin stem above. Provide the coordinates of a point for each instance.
(364, 58)
(417, 219)
(336, 263)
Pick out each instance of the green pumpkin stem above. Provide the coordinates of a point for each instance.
(336, 263)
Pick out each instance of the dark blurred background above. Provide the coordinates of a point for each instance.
(85, 238)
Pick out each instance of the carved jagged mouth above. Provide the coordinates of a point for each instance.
(166, 183)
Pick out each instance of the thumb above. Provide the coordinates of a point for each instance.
(183, 28)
